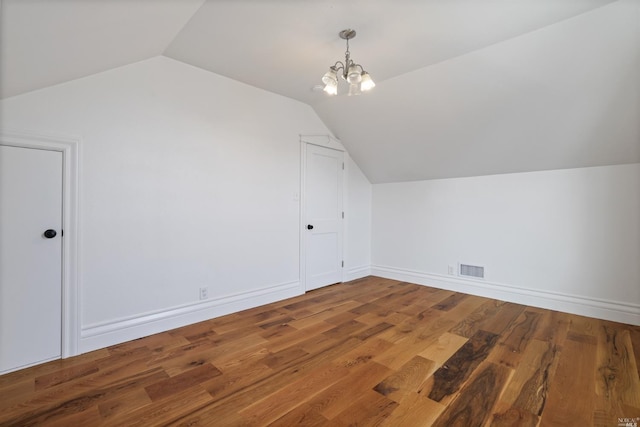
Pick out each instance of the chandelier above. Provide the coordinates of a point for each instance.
(358, 79)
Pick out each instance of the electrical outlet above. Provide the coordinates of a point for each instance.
(451, 270)
(204, 293)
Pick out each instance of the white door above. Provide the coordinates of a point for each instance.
(30, 256)
(323, 215)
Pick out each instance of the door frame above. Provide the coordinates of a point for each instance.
(326, 141)
(69, 147)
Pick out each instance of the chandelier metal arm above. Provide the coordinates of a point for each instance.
(343, 69)
(339, 67)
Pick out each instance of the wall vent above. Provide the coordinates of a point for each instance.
(474, 271)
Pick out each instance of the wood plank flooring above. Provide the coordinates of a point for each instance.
(369, 352)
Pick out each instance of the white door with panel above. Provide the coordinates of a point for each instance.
(323, 216)
(30, 256)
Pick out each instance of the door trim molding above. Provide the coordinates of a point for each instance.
(326, 141)
(69, 146)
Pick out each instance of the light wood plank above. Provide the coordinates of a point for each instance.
(572, 394)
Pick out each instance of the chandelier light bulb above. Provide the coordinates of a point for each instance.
(353, 75)
(367, 82)
(331, 88)
(330, 76)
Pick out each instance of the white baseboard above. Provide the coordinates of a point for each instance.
(104, 334)
(357, 273)
(602, 309)
(116, 331)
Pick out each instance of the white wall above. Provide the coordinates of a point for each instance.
(358, 218)
(563, 239)
(187, 180)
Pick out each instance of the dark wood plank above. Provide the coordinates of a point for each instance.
(448, 379)
(475, 404)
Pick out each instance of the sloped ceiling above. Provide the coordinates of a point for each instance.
(464, 87)
(46, 42)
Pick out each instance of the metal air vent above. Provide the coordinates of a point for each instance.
(475, 271)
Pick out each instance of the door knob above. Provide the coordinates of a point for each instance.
(50, 233)
(309, 227)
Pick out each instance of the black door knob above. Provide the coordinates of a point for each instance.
(50, 234)
(309, 227)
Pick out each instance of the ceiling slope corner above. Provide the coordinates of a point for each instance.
(48, 43)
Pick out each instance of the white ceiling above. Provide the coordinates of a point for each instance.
(285, 46)
(456, 79)
(46, 42)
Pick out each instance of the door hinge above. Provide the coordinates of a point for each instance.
(342, 264)
(342, 165)
(343, 215)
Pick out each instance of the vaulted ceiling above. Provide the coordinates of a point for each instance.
(464, 87)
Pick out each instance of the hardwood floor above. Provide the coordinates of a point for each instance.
(369, 352)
